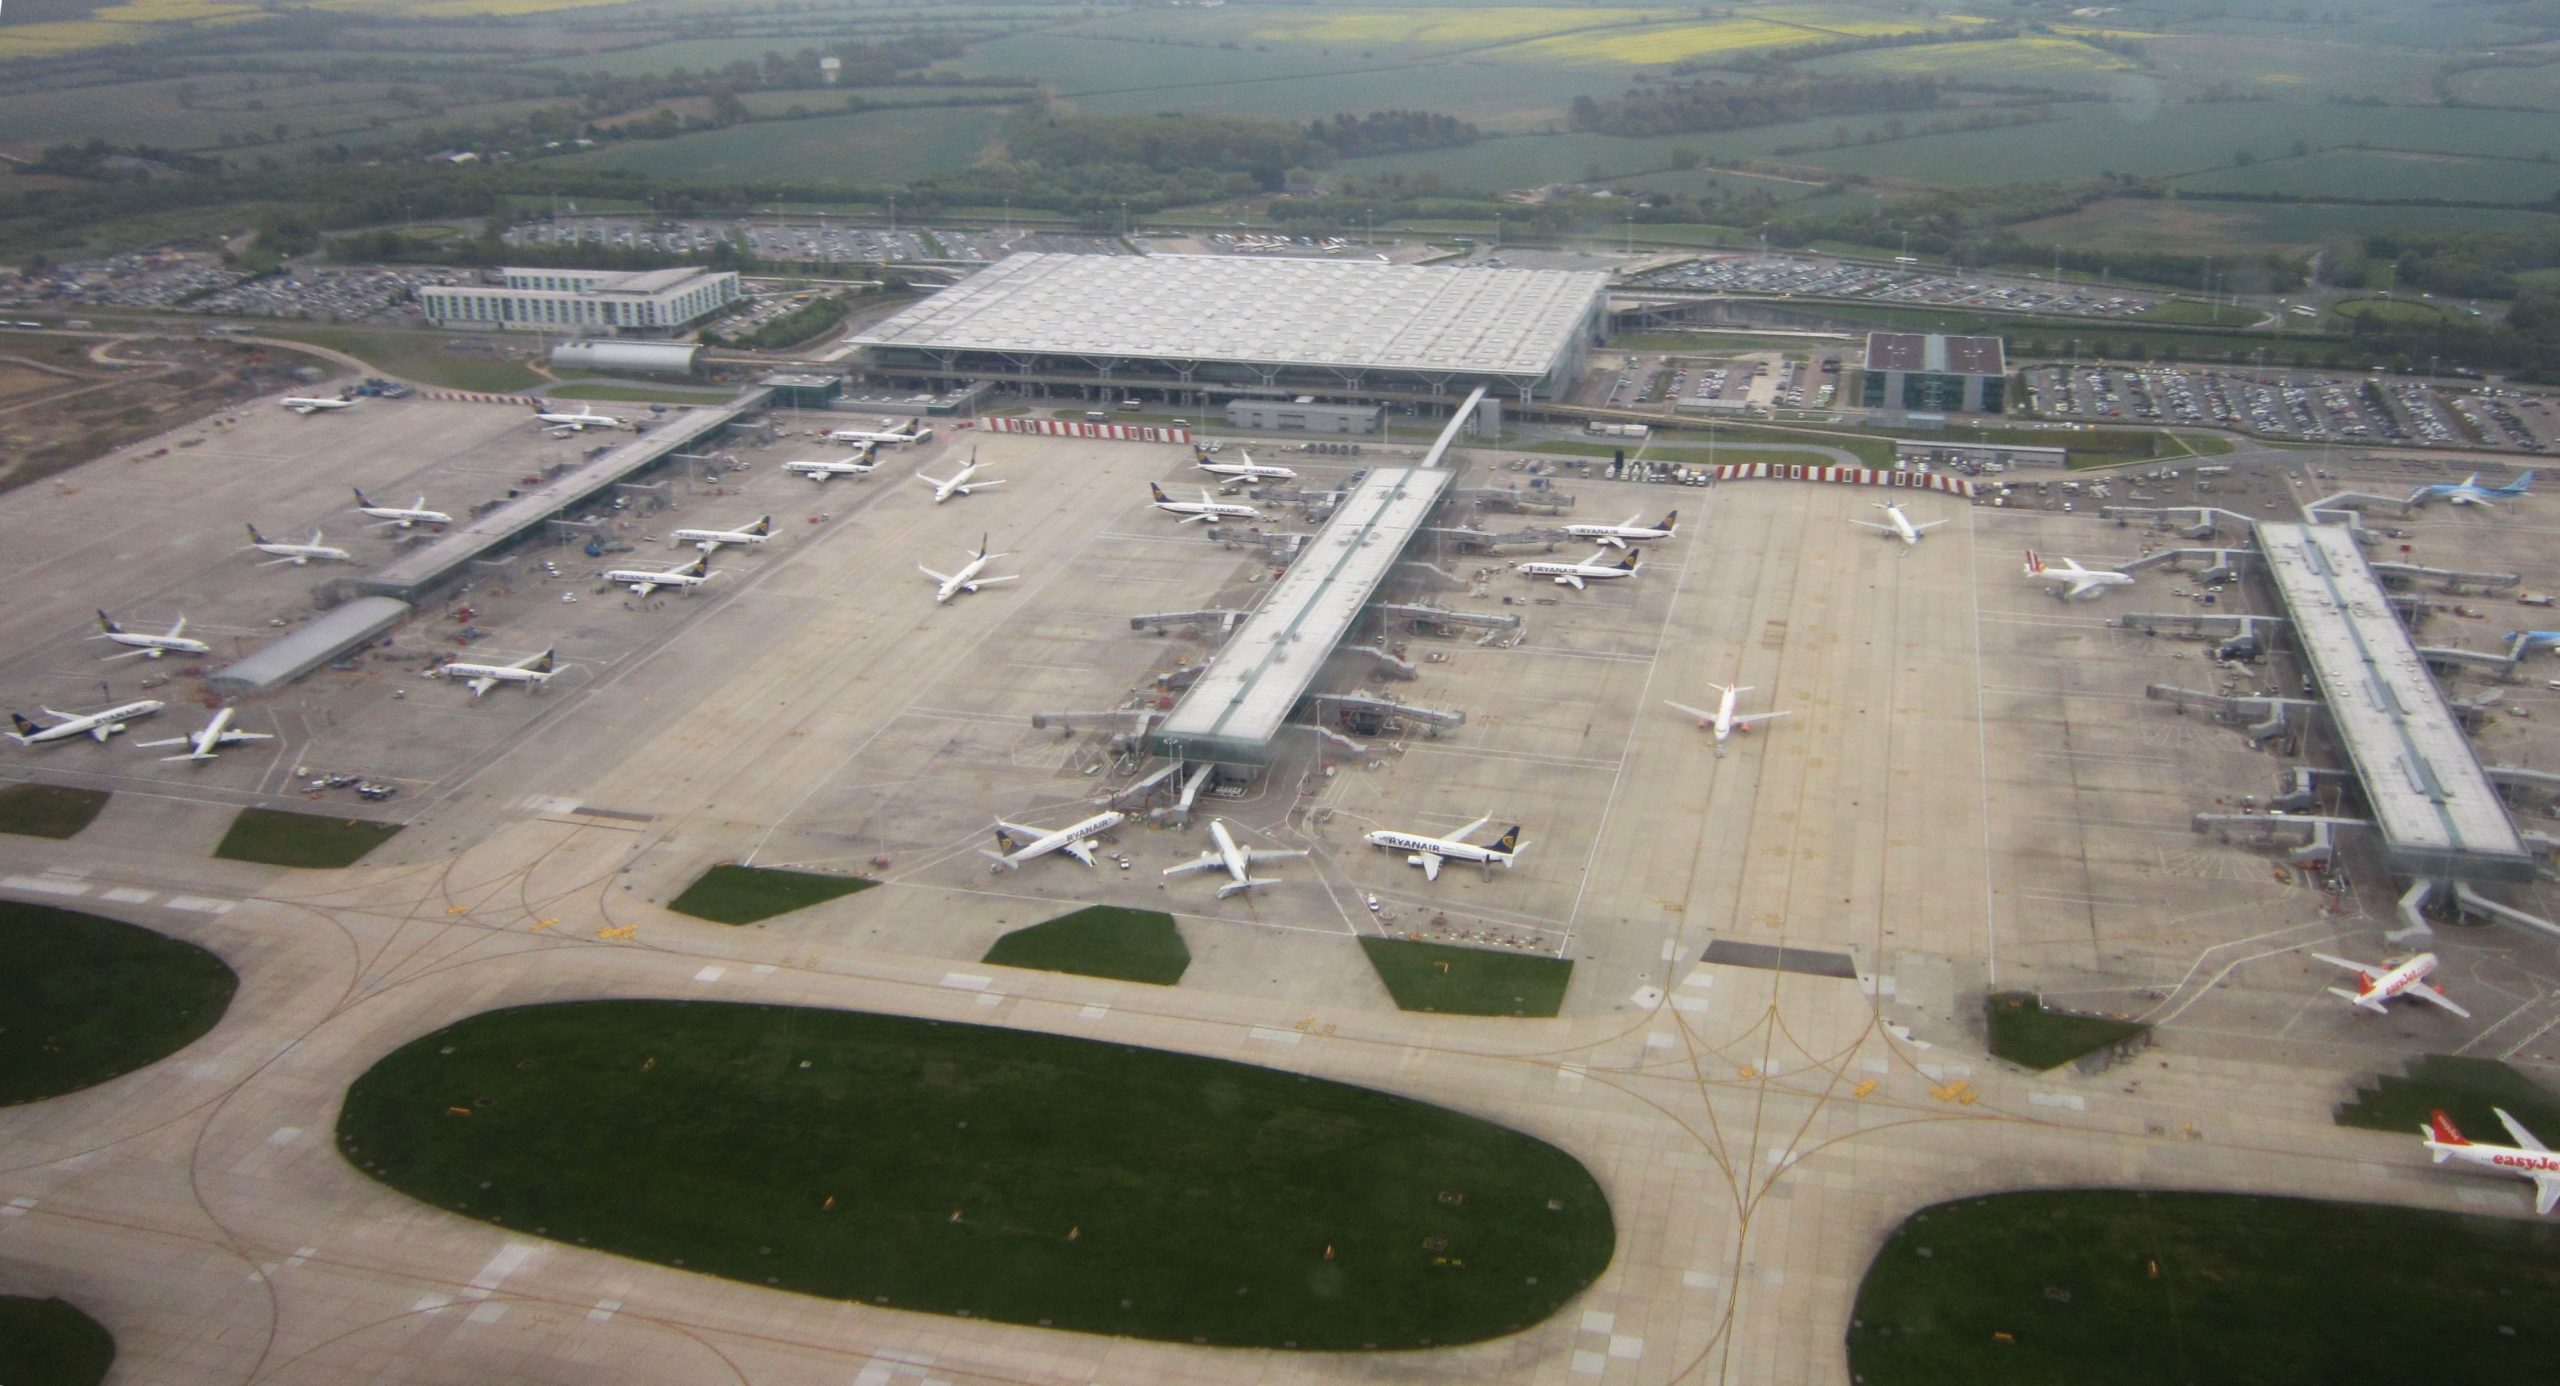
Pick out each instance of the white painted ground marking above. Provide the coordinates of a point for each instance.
(2072, 1100)
(709, 974)
(1700, 1280)
(43, 885)
(990, 998)
(1092, 1012)
(1268, 1035)
(1569, 1075)
(967, 981)
(1657, 1040)
(1598, 1321)
(1590, 1363)
(1690, 1005)
(128, 895)
(1699, 976)
(16, 1207)
(1781, 1156)
(1670, 949)
(1646, 998)
(430, 1304)
(762, 969)
(604, 1310)
(488, 1313)
(284, 1135)
(1625, 1348)
(199, 904)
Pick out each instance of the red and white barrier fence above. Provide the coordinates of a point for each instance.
(476, 397)
(1078, 428)
(1844, 476)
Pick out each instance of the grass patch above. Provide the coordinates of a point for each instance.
(421, 356)
(1451, 980)
(280, 837)
(46, 1342)
(639, 394)
(1102, 941)
(2465, 1089)
(2127, 1287)
(1002, 1174)
(2403, 312)
(732, 894)
(2025, 1033)
(85, 999)
(48, 810)
(2188, 310)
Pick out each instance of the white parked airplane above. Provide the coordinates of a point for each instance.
(831, 468)
(97, 726)
(1899, 525)
(1724, 719)
(710, 540)
(1236, 860)
(149, 646)
(206, 744)
(967, 579)
(579, 422)
(1203, 509)
(2082, 582)
(643, 581)
(912, 432)
(1244, 468)
(533, 671)
(1429, 852)
(1016, 843)
(959, 484)
(2528, 1157)
(1634, 528)
(296, 554)
(2377, 985)
(402, 515)
(307, 406)
(1573, 575)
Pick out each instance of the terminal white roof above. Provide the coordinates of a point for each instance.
(2420, 774)
(1350, 313)
(1273, 657)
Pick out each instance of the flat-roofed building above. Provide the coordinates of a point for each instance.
(1925, 372)
(1302, 416)
(590, 303)
(1219, 325)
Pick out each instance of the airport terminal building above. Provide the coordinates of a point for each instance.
(1933, 374)
(588, 303)
(1208, 325)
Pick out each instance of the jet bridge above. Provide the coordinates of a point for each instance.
(2190, 521)
(2260, 717)
(2454, 579)
(1214, 621)
(1426, 618)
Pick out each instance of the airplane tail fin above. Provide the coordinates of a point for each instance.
(2035, 563)
(107, 624)
(701, 567)
(2441, 1134)
(763, 526)
(1508, 844)
(255, 537)
(360, 500)
(2521, 485)
(1671, 523)
(1249, 883)
(2351, 998)
(1628, 563)
(25, 728)
(1155, 490)
(543, 665)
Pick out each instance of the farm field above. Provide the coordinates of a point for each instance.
(2511, 86)
(2057, 63)
(2208, 227)
(1475, 89)
(2283, 67)
(871, 147)
(2347, 172)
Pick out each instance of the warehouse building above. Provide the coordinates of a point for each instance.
(628, 358)
(595, 303)
(1909, 371)
(1302, 415)
(1212, 326)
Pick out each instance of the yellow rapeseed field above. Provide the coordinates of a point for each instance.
(1669, 44)
(1452, 28)
(2020, 56)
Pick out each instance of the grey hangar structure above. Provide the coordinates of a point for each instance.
(1199, 327)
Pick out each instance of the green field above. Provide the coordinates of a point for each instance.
(2352, 173)
(84, 999)
(47, 1342)
(2398, 311)
(870, 147)
(1452, 980)
(2138, 1288)
(2465, 1089)
(733, 894)
(2511, 86)
(419, 356)
(2057, 64)
(2202, 226)
(277, 837)
(2026, 1034)
(1100, 941)
(48, 810)
(994, 1173)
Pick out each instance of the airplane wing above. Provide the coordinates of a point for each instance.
(2428, 993)
(1755, 719)
(1923, 529)
(164, 741)
(981, 486)
(2546, 1192)
(2523, 1137)
(1632, 520)
(1470, 830)
(1430, 865)
(2367, 969)
(231, 736)
(1865, 524)
(1023, 831)
(977, 583)
(1255, 856)
(103, 730)
(1206, 861)
(2082, 586)
(1573, 580)
(1700, 713)
(1079, 849)
(928, 572)
(643, 587)
(482, 684)
(1200, 518)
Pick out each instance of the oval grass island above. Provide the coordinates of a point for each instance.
(84, 998)
(989, 1173)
